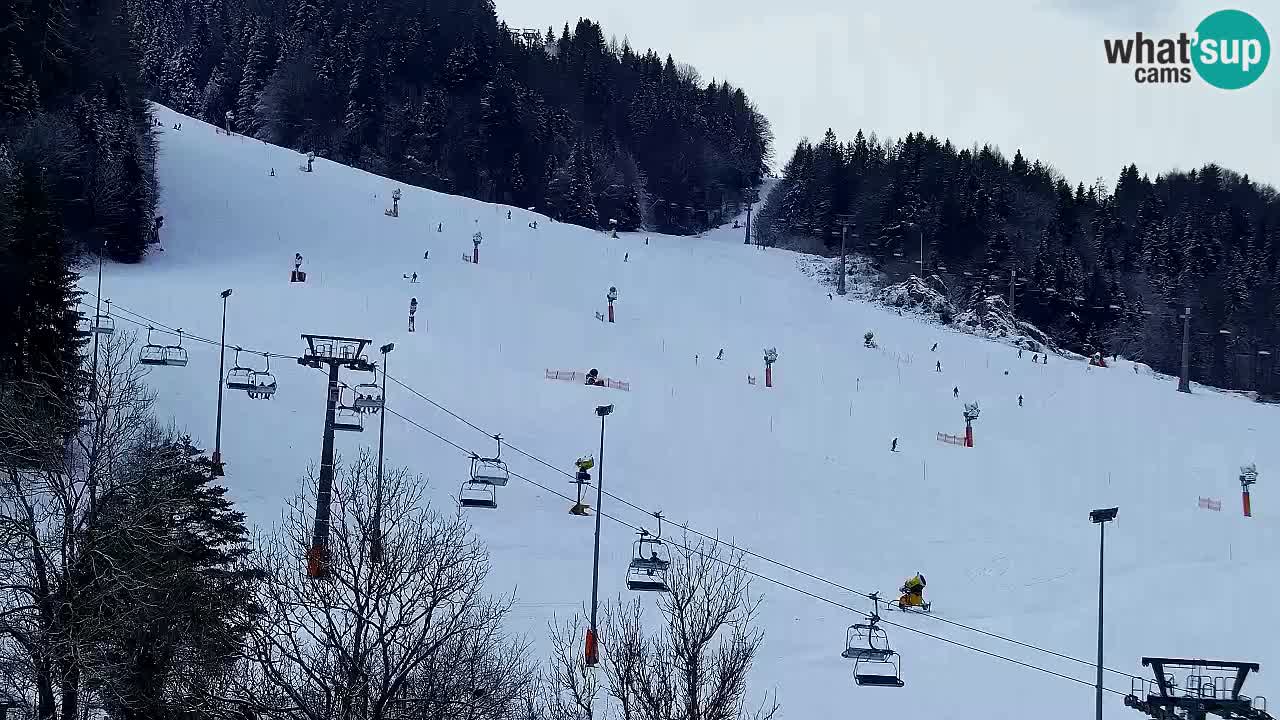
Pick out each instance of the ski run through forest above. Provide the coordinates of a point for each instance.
(835, 474)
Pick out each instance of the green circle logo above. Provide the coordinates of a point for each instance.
(1232, 49)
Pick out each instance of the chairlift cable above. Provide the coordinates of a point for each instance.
(147, 322)
(766, 578)
(750, 553)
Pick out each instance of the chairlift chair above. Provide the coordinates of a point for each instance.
(874, 662)
(348, 418)
(263, 383)
(490, 471)
(84, 327)
(369, 396)
(151, 353)
(240, 377)
(175, 355)
(885, 672)
(103, 324)
(478, 495)
(866, 641)
(648, 570)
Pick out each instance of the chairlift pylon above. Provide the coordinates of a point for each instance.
(490, 471)
(263, 383)
(648, 573)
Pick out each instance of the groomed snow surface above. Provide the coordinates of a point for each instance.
(801, 472)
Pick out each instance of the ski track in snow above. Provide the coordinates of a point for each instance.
(801, 472)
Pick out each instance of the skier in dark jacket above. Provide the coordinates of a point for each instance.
(413, 310)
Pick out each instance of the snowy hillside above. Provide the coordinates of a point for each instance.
(801, 472)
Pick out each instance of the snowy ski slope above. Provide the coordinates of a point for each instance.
(801, 472)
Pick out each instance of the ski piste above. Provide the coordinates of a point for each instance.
(798, 472)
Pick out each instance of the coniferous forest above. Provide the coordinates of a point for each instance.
(1102, 269)
(445, 96)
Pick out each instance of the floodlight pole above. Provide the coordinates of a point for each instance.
(1184, 380)
(222, 356)
(97, 315)
(375, 547)
(592, 649)
(1101, 518)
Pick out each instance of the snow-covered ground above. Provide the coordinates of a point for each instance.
(801, 472)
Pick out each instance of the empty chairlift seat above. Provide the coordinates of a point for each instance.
(239, 377)
(478, 495)
(151, 354)
(489, 471)
(492, 470)
(348, 419)
(875, 662)
(155, 354)
(175, 355)
(885, 672)
(103, 325)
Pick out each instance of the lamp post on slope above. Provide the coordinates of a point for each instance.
(1101, 518)
(375, 547)
(593, 646)
(218, 470)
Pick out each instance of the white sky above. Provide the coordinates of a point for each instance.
(1026, 74)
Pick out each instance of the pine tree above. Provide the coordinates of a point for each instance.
(172, 596)
(38, 339)
(257, 66)
(580, 208)
(19, 95)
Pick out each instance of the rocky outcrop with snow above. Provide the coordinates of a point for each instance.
(928, 296)
(990, 317)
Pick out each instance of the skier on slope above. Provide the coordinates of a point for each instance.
(413, 310)
(938, 368)
(955, 391)
(893, 447)
(1019, 401)
(912, 592)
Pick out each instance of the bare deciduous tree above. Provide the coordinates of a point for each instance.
(50, 487)
(696, 667)
(569, 687)
(411, 636)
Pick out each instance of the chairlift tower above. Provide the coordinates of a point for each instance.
(335, 353)
(1210, 687)
(845, 220)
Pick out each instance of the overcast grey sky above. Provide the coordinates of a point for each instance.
(1026, 74)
